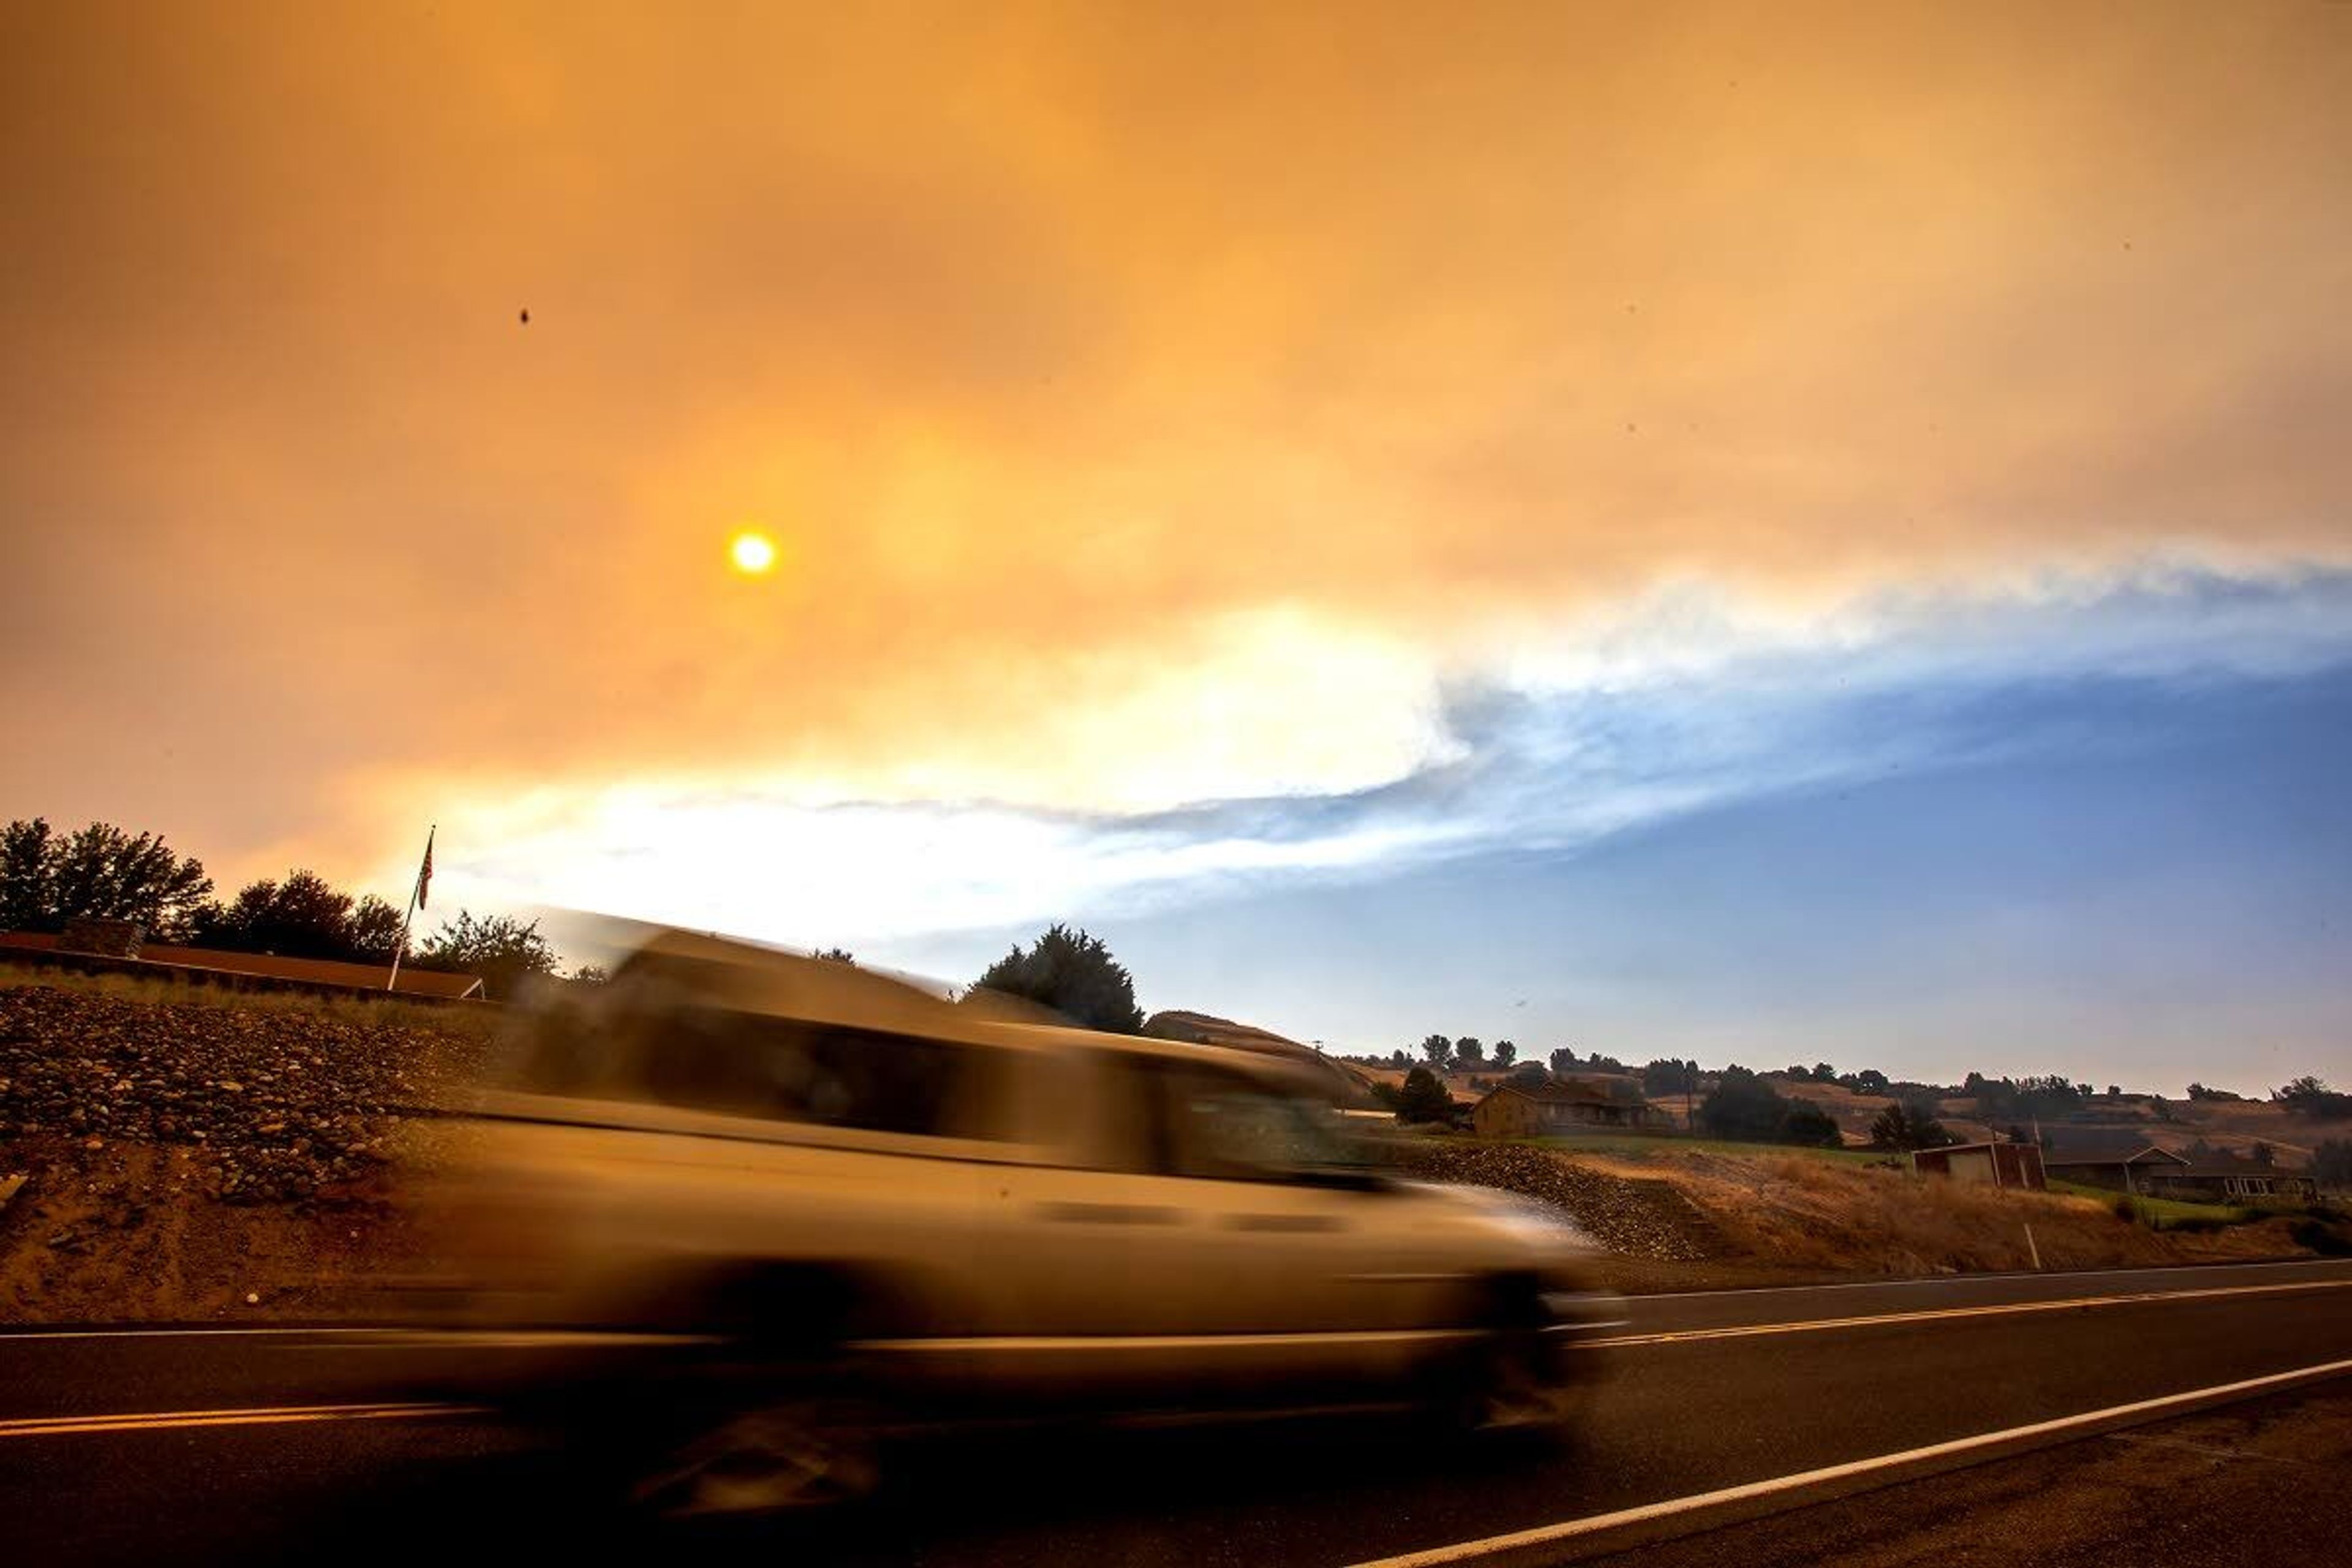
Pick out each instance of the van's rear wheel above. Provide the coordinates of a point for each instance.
(794, 1455)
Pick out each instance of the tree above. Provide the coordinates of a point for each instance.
(1506, 1053)
(503, 950)
(1073, 973)
(1425, 1098)
(2308, 1096)
(1824, 1073)
(374, 930)
(1666, 1076)
(302, 917)
(1469, 1053)
(1439, 1050)
(26, 869)
(1563, 1058)
(1901, 1126)
(1529, 1075)
(1743, 1106)
(1809, 1124)
(1869, 1081)
(99, 871)
(2115, 1092)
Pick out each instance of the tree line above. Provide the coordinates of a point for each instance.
(105, 872)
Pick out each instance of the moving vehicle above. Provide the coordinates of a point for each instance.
(843, 1202)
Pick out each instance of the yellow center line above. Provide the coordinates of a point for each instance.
(154, 1421)
(1816, 1325)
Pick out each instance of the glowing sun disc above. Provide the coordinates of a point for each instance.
(753, 554)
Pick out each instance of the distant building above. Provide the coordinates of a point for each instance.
(2124, 1161)
(2117, 1158)
(1985, 1164)
(1537, 1110)
(207, 964)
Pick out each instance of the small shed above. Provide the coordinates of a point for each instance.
(1987, 1164)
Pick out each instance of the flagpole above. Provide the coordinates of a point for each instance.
(415, 889)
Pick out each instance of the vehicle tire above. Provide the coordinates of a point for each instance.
(1515, 1386)
(790, 1455)
(769, 1416)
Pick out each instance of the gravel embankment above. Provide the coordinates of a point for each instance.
(1632, 1219)
(281, 1102)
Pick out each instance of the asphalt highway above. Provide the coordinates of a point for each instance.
(266, 1445)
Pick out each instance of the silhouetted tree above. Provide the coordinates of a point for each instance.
(503, 950)
(1506, 1053)
(1468, 1053)
(101, 871)
(1665, 1076)
(1439, 1050)
(1075, 975)
(1425, 1098)
(1809, 1124)
(1743, 1106)
(1563, 1058)
(302, 917)
(2308, 1096)
(1901, 1126)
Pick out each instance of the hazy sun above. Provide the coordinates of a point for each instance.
(753, 554)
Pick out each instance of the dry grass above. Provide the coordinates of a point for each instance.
(1868, 1218)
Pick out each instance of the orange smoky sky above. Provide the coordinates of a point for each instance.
(1148, 402)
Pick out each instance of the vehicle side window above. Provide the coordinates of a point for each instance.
(1222, 1126)
(1131, 1128)
(706, 1058)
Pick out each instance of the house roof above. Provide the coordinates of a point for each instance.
(1573, 1092)
(2102, 1146)
(269, 966)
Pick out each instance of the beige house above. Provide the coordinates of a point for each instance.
(1546, 1109)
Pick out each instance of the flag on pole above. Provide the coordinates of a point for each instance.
(424, 872)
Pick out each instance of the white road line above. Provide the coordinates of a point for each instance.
(270, 1416)
(1595, 1524)
(2004, 1275)
(167, 1333)
(2000, 1309)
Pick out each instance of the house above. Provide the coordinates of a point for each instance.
(1542, 1109)
(260, 969)
(2218, 1176)
(1988, 1165)
(2124, 1161)
(2120, 1159)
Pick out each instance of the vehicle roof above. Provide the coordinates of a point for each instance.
(750, 978)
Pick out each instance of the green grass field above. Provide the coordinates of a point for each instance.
(2163, 1214)
(1633, 1145)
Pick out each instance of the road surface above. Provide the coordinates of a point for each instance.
(1757, 1412)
